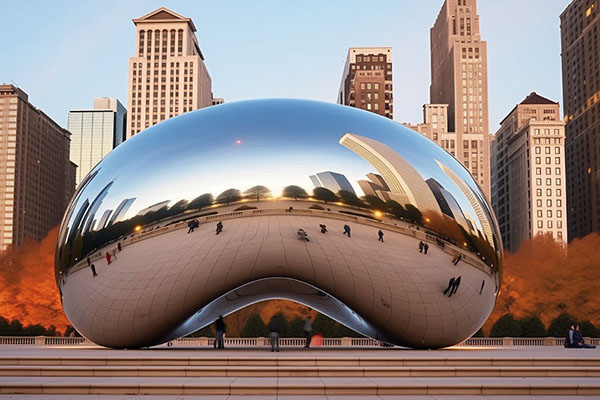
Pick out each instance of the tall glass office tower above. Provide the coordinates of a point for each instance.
(95, 132)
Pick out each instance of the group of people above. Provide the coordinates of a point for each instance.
(274, 332)
(423, 247)
(193, 224)
(302, 235)
(456, 259)
(574, 339)
(110, 255)
(453, 285)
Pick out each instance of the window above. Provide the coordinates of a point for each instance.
(547, 150)
(557, 171)
(558, 203)
(362, 86)
(550, 222)
(559, 213)
(548, 192)
(557, 150)
(540, 224)
(538, 181)
(548, 171)
(549, 214)
(538, 171)
(556, 160)
(539, 213)
(557, 181)
(538, 160)
(558, 192)
(538, 192)
(539, 203)
(548, 182)
(368, 86)
(538, 150)
(559, 225)
(548, 203)
(376, 86)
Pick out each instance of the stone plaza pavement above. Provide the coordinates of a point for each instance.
(316, 373)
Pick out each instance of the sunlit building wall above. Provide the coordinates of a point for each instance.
(167, 75)
(37, 179)
(528, 172)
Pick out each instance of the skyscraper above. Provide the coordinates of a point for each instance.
(528, 172)
(167, 76)
(37, 179)
(459, 79)
(367, 80)
(95, 132)
(579, 26)
(332, 181)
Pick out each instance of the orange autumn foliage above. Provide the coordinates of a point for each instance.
(28, 290)
(544, 278)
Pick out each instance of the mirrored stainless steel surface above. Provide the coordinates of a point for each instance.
(222, 207)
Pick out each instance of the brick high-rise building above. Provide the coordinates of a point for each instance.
(367, 80)
(459, 79)
(580, 45)
(37, 179)
(167, 76)
(528, 172)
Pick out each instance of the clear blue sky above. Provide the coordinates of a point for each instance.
(65, 53)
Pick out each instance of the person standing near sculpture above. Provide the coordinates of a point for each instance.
(274, 331)
(220, 328)
(307, 329)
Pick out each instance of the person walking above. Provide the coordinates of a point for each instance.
(220, 328)
(274, 331)
(323, 228)
(380, 234)
(302, 235)
(93, 267)
(119, 247)
(450, 285)
(108, 257)
(307, 329)
(219, 227)
(347, 230)
(89, 261)
(457, 259)
(425, 248)
(421, 246)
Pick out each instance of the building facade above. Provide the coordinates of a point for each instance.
(167, 76)
(367, 80)
(579, 26)
(459, 79)
(37, 179)
(95, 132)
(528, 173)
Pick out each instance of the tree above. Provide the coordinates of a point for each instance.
(177, 208)
(396, 209)
(350, 199)
(561, 325)
(229, 196)
(255, 327)
(375, 202)
(532, 326)
(200, 202)
(283, 324)
(506, 326)
(296, 328)
(324, 194)
(257, 192)
(588, 329)
(204, 332)
(294, 191)
(413, 214)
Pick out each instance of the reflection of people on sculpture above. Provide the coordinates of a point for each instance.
(450, 286)
(323, 228)
(274, 331)
(380, 234)
(456, 259)
(89, 261)
(307, 329)
(347, 230)
(455, 288)
(108, 257)
(93, 267)
(220, 328)
(421, 246)
(219, 227)
(482, 285)
(302, 235)
(425, 248)
(119, 246)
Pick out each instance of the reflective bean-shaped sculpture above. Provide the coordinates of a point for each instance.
(333, 207)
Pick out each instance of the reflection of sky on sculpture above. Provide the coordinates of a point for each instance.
(282, 143)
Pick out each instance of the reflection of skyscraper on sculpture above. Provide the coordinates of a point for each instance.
(475, 202)
(154, 207)
(448, 203)
(332, 181)
(404, 183)
(122, 208)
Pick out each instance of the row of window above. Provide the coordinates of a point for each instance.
(539, 192)
(538, 160)
(548, 203)
(547, 150)
(538, 171)
(370, 58)
(549, 224)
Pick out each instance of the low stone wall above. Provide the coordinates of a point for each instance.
(287, 342)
